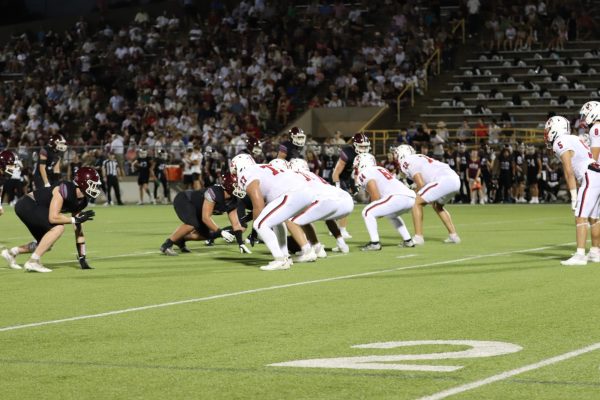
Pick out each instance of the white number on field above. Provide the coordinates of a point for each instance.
(477, 349)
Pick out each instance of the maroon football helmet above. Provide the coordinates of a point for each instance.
(229, 183)
(88, 181)
(361, 143)
(57, 143)
(7, 162)
(298, 136)
(254, 146)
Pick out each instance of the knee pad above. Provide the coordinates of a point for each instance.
(31, 246)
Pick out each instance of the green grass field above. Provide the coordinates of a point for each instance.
(215, 322)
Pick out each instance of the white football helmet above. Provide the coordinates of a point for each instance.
(239, 162)
(364, 160)
(143, 153)
(403, 150)
(297, 135)
(590, 112)
(299, 165)
(280, 163)
(555, 127)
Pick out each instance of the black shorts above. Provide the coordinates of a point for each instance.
(186, 212)
(195, 177)
(34, 217)
(188, 179)
(143, 179)
(532, 179)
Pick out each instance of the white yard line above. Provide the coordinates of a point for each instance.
(406, 256)
(508, 374)
(269, 288)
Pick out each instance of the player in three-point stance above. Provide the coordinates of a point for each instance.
(389, 198)
(579, 167)
(42, 213)
(195, 209)
(436, 184)
(277, 195)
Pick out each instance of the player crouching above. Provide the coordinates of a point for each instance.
(389, 198)
(436, 183)
(195, 209)
(42, 213)
(579, 167)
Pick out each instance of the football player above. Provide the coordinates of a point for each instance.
(277, 195)
(42, 212)
(589, 115)
(519, 174)
(579, 167)
(8, 162)
(333, 203)
(436, 184)
(328, 162)
(389, 198)
(254, 148)
(195, 209)
(343, 172)
(160, 177)
(47, 169)
(534, 171)
(145, 172)
(293, 148)
(462, 164)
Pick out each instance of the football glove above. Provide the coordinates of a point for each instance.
(244, 249)
(83, 263)
(253, 237)
(227, 236)
(337, 184)
(83, 216)
(573, 193)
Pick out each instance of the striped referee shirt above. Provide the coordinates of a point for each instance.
(111, 167)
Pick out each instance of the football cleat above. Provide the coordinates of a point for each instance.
(576, 259)
(341, 249)
(371, 246)
(452, 239)
(10, 259)
(346, 235)
(320, 251)
(407, 243)
(310, 256)
(275, 265)
(167, 251)
(418, 240)
(35, 266)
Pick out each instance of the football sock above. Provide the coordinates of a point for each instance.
(269, 237)
(281, 234)
(400, 226)
(594, 250)
(371, 224)
(14, 251)
(580, 252)
(35, 257)
(167, 244)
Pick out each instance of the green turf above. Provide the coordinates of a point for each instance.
(220, 348)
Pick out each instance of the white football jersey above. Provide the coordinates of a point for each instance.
(275, 182)
(387, 184)
(431, 170)
(582, 156)
(595, 135)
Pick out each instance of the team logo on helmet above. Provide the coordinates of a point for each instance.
(88, 181)
(297, 135)
(361, 143)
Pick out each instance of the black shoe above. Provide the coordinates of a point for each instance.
(407, 243)
(371, 246)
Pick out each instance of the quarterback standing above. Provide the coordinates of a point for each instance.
(436, 184)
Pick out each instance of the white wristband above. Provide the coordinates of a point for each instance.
(73, 220)
(573, 194)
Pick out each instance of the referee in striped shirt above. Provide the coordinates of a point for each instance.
(112, 171)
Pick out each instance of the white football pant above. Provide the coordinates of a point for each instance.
(389, 207)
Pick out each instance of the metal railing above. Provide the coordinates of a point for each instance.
(437, 56)
(382, 139)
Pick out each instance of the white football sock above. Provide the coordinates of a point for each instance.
(270, 238)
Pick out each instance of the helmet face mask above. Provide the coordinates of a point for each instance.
(590, 113)
(297, 136)
(254, 146)
(143, 153)
(361, 143)
(58, 143)
(88, 181)
(8, 162)
(555, 127)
